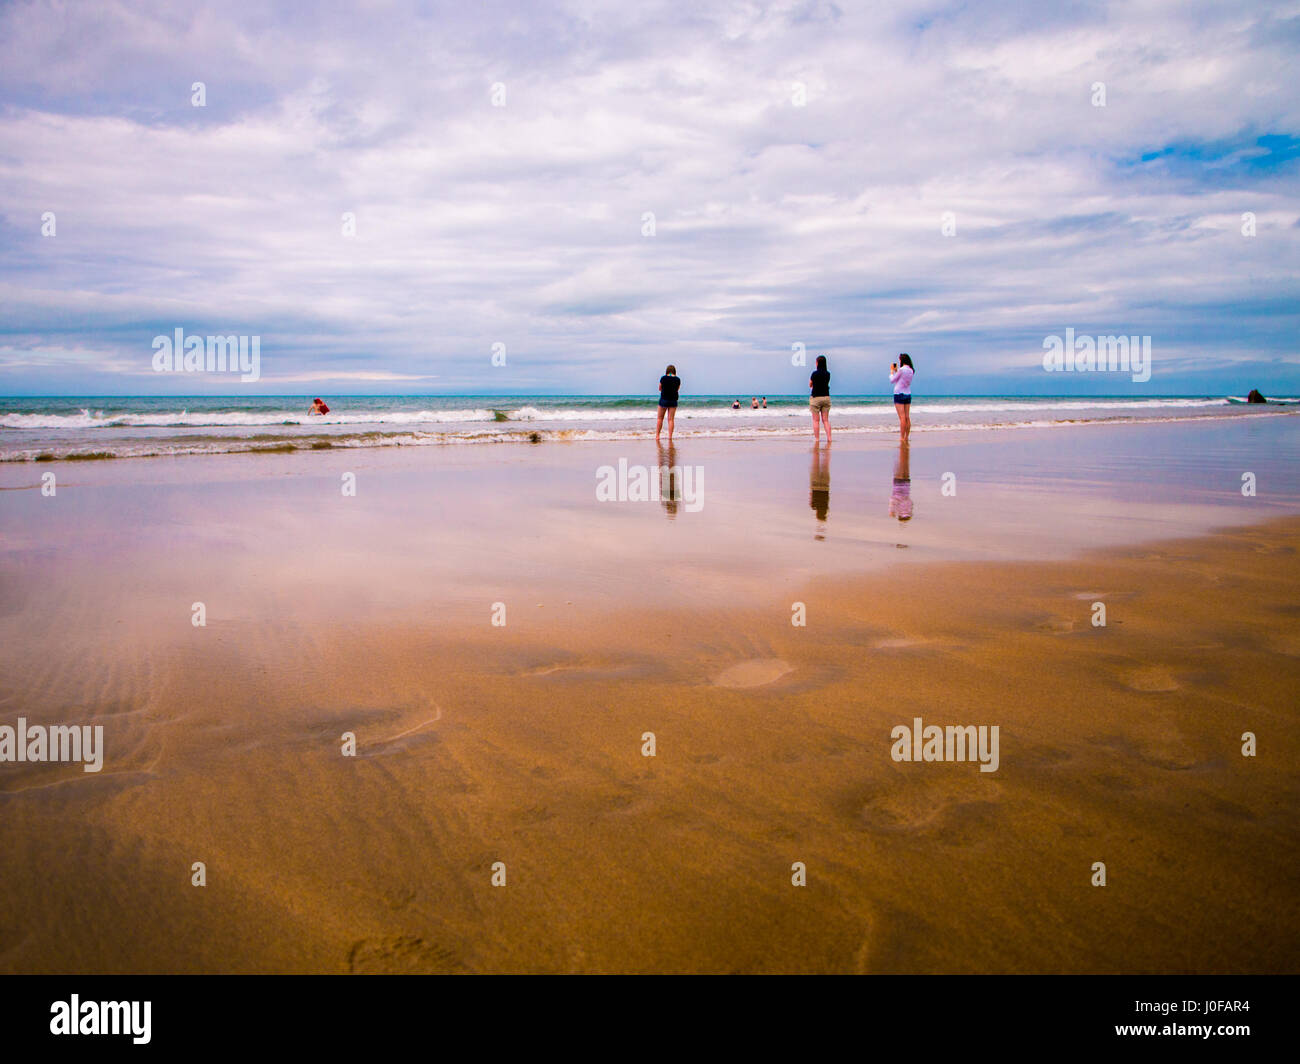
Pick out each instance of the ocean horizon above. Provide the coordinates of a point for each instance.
(49, 428)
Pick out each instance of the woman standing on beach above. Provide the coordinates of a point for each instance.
(820, 401)
(669, 385)
(900, 374)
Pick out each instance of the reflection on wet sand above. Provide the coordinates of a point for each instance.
(670, 479)
(819, 488)
(900, 498)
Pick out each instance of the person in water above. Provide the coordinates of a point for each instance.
(765, 402)
(318, 407)
(820, 400)
(900, 375)
(753, 402)
(735, 405)
(669, 386)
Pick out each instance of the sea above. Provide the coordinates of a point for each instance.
(90, 427)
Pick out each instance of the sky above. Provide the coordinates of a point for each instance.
(604, 188)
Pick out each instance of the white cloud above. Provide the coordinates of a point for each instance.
(522, 224)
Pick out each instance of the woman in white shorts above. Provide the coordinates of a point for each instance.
(820, 400)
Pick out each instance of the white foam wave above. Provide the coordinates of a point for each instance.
(163, 446)
(236, 419)
(87, 419)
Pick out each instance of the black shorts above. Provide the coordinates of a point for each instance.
(902, 400)
(668, 404)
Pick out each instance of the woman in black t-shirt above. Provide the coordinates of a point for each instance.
(820, 400)
(669, 385)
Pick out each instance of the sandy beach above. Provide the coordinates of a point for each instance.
(523, 743)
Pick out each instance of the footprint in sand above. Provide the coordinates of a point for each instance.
(1166, 750)
(753, 673)
(939, 812)
(406, 954)
(1150, 679)
(534, 814)
(1273, 548)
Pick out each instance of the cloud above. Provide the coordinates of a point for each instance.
(798, 159)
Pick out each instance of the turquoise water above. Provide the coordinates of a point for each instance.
(81, 426)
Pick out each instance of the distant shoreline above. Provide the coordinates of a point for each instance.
(720, 396)
(85, 429)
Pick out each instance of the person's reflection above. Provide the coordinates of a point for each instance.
(900, 500)
(670, 479)
(819, 488)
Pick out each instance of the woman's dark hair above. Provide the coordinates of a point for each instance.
(821, 361)
(671, 371)
(906, 360)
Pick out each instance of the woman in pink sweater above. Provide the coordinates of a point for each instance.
(900, 375)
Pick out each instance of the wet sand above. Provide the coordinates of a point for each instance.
(523, 744)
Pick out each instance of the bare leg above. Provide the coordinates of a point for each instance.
(672, 421)
(898, 409)
(660, 424)
(817, 427)
(907, 421)
(826, 420)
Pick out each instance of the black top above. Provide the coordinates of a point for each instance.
(821, 382)
(668, 386)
